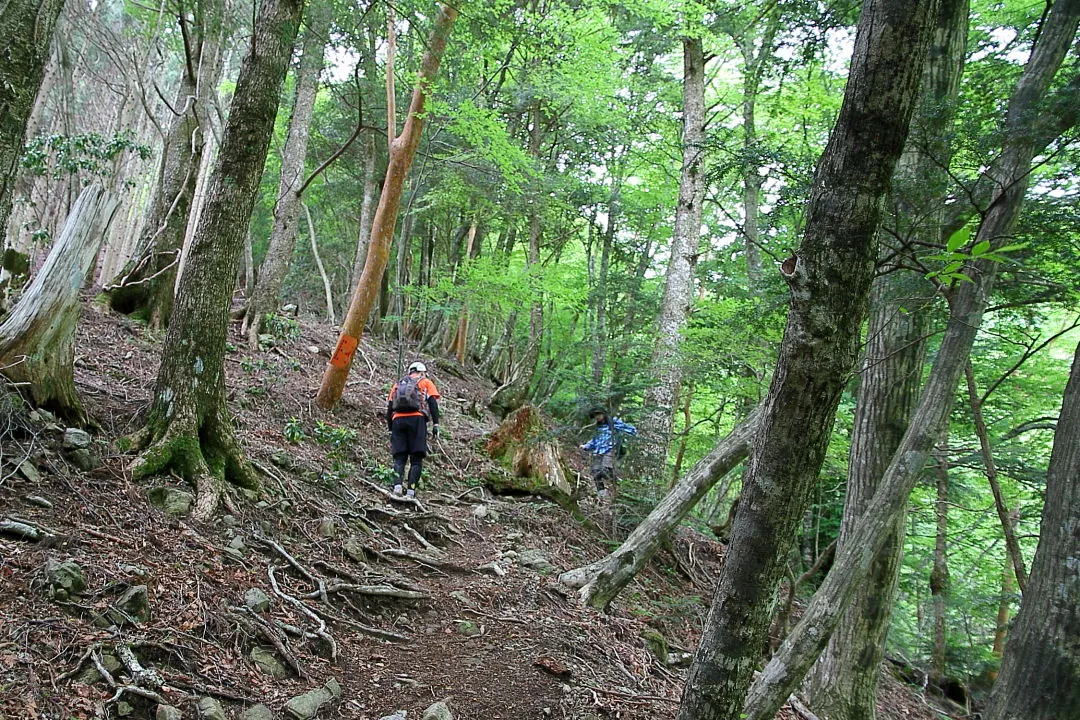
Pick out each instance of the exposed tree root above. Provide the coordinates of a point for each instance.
(208, 457)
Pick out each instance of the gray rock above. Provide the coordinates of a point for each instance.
(492, 567)
(38, 501)
(237, 543)
(171, 500)
(168, 712)
(536, 560)
(210, 709)
(45, 416)
(138, 571)
(398, 715)
(480, 511)
(83, 459)
(76, 439)
(268, 663)
(28, 471)
(438, 711)
(63, 579)
(124, 709)
(468, 628)
(257, 712)
(257, 600)
(461, 597)
(229, 520)
(306, 706)
(90, 675)
(327, 528)
(134, 606)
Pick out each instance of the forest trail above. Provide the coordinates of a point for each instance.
(403, 606)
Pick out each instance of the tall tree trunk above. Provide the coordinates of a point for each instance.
(330, 316)
(402, 151)
(602, 580)
(686, 401)
(830, 278)
(367, 209)
(188, 428)
(1040, 675)
(599, 349)
(287, 210)
(665, 367)
(26, 30)
(37, 341)
(844, 683)
(145, 286)
(939, 576)
(967, 304)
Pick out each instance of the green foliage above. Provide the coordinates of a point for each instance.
(89, 154)
(294, 431)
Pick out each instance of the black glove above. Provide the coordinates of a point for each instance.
(434, 431)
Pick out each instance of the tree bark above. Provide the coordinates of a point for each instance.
(26, 30)
(145, 286)
(287, 210)
(843, 684)
(830, 278)
(939, 576)
(665, 367)
(1040, 675)
(37, 341)
(402, 151)
(601, 581)
(367, 210)
(967, 304)
(188, 428)
(330, 316)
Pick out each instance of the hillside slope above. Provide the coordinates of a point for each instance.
(401, 605)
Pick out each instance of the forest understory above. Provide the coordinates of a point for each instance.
(454, 599)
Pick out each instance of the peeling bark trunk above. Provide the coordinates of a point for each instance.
(188, 427)
(939, 576)
(37, 341)
(279, 253)
(367, 210)
(967, 305)
(601, 581)
(330, 316)
(665, 367)
(829, 277)
(402, 151)
(1040, 675)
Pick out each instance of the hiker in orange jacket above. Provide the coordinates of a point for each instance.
(413, 400)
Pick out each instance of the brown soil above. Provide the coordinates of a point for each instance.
(325, 522)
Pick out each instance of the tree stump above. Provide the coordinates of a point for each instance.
(37, 341)
(535, 462)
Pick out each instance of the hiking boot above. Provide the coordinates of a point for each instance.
(411, 494)
(397, 491)
(601, 494)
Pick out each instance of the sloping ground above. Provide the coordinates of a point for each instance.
(402, 605)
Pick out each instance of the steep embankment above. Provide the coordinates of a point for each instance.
(320, 579)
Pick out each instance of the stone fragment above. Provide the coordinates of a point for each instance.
(76, 439)
(536, 560)
(168, 712)
(306, 706)
(83, 459)
(28, 471)
(468, 628)
(210, 709)
(268, 663)
(171, 500)
(63, 579)
(257, 712)
(257, 600)
(133, 606)
(438, 711)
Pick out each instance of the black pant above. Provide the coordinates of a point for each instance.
(408, 441)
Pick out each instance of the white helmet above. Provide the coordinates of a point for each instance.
(418, 367)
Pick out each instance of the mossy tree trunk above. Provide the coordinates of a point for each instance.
(26, 29)
(829, 277)
(188, 428)
(145, 286)
(844, 683)
(279, 253)
(967, 304)
(37, 341)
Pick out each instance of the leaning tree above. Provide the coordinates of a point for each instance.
(188, 428)
(829, 277)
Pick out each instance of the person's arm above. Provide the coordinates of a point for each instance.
(589, 445)
(625, 427)
(433, 409)
(389, 414)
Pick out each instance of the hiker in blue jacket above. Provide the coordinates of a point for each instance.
(605, 446)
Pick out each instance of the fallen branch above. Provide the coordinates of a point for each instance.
(321, 631)
(23, 531)
(269, 632)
